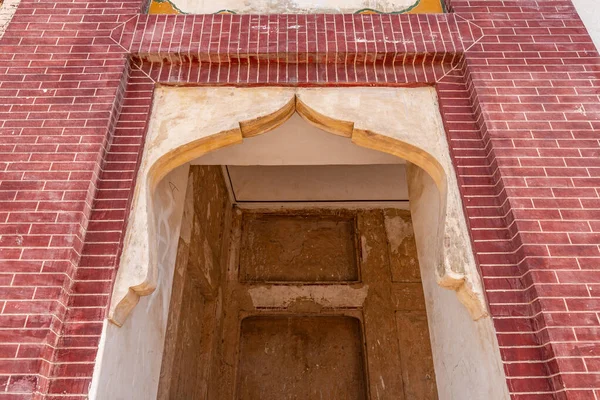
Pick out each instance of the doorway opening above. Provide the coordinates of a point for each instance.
(326, 211)
(298, 282)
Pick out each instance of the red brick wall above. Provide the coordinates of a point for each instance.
(519, 90)
(535, 82)
(59, 77)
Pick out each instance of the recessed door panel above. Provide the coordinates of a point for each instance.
(294, 357)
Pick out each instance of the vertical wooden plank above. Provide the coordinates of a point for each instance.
(175, 312)
(418, 374)
(385, 374)
(224, 363)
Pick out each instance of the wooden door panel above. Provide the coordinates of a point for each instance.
(289, 346)
(416, 360)
(295, 357)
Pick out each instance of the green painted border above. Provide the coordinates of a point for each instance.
(225, 11)
(362, 10)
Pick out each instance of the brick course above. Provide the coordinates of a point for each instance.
(519, 86)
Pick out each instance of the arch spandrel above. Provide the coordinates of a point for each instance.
(401, 121)
(191, 114)
(380, 118)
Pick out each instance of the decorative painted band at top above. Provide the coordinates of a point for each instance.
(418, 7)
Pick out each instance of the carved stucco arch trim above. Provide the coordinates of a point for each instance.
(202, 120)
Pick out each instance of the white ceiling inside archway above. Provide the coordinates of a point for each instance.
(318, 183)
(296, 142)
(298, 162)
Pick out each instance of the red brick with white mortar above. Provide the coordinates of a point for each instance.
(519, 89)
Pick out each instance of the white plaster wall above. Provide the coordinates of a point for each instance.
(589, 11)
(7, 10)
(130, 357)
(466, 354)
(290, 6)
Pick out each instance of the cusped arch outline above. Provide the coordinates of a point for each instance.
(226, 116)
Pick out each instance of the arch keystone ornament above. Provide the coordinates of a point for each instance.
(188, 123)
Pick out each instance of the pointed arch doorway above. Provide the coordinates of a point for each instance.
(187, 124)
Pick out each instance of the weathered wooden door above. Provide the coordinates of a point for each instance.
(321, 304)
